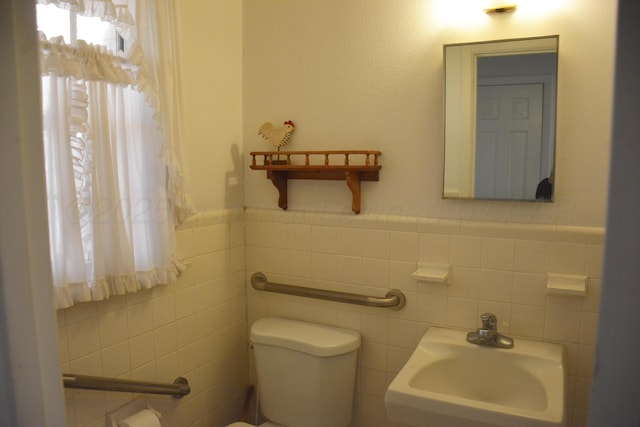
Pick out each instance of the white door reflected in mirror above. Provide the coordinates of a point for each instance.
(500, 111)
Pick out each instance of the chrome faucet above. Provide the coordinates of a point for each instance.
(488, 333)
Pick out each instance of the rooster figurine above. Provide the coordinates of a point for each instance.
(277, 137)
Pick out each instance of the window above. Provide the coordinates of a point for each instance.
(54, 21)
(110, 170)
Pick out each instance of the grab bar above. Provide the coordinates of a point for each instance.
(179, 388)
(394, 299)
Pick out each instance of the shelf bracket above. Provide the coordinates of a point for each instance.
(353, 182)
(279, 180)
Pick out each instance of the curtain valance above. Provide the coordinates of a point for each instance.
(86, 62)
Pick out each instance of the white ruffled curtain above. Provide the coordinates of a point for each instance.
(114, 182)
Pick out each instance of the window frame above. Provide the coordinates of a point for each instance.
(118, 41)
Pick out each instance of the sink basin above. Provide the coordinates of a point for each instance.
(448, 382)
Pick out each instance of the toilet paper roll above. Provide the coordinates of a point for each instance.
(144, 418)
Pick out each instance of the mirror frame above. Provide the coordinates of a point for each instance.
(460, 107)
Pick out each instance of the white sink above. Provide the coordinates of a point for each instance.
(449, 382)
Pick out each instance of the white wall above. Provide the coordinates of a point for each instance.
(495, 267)
(210, 40)
(195, 328)
(369, 75)
(356, 75)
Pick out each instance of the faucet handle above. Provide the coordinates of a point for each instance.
(489, 321)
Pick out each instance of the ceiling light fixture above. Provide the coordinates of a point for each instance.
(501, 9)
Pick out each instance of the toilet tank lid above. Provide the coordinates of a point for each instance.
(310, 338)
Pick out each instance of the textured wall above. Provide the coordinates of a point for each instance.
(210, 34)
(369, 75)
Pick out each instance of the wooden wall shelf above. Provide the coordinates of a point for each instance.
(354, 167)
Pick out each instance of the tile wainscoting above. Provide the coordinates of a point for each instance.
(497, 267)
(196, 328)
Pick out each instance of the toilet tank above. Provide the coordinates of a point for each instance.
(306, 372)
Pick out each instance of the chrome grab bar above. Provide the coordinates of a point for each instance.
(394, 299)
(179, 388)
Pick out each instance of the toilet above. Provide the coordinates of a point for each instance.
(305, 372)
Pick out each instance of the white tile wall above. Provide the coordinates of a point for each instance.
(196, 328)
(495, 267)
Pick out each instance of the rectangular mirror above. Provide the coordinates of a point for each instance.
(500, 119)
